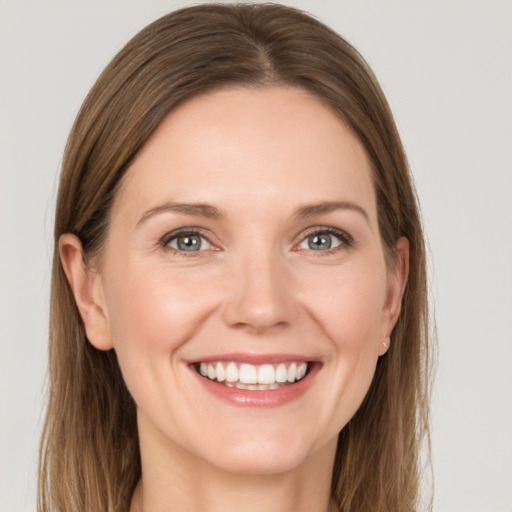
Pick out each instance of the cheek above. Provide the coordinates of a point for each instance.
(153, 310)
(351, 319)
(348, 304)
(152, 313)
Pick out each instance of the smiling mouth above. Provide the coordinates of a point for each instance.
(251, 377)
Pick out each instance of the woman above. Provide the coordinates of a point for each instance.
(239, 311)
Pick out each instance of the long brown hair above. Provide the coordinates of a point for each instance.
(89, 458)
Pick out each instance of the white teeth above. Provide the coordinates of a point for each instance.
(231, 373)
(266, 374)
(254, 387)
(221, 374)
(248, 374)
(301, 371)
(292, 372)
(281, 373)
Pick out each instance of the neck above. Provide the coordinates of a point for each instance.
(172, 479)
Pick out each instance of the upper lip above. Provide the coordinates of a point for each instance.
(255, 359)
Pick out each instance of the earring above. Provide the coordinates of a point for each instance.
(385, 343)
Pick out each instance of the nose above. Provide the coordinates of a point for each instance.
(260, 295)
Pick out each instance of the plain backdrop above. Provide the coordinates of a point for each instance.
(446, 67)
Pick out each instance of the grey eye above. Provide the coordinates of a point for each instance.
(320, 242)
(190, 242)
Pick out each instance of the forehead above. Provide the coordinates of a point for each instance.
(251, 145)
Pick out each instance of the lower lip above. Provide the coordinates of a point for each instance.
(257, 398)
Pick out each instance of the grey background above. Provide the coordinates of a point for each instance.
(446, 67)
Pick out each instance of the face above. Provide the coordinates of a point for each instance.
(243, 285)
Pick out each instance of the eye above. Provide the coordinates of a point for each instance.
(188, 242)
(325, 240)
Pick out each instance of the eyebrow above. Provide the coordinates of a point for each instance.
(310, 210)
(196, 209)
(211, 212)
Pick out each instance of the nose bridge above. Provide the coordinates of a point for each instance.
(260, 293)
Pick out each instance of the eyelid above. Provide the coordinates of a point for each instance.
(183, 231)
(345, 238)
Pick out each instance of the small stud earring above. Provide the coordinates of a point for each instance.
(385, 343)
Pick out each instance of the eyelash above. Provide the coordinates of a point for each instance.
(189, 231)
(346, 240)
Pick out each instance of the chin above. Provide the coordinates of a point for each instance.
(244, 463)
(262, 454)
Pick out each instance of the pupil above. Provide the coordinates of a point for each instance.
(189, 243)
(317, 242)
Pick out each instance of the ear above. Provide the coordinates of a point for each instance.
(87, 287)
(396, 286)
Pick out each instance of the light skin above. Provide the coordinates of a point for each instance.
(253, 175)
